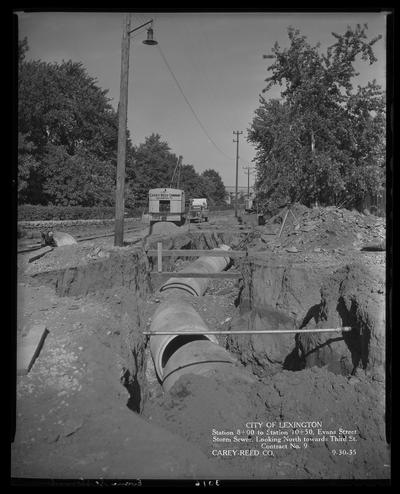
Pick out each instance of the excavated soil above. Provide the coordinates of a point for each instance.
(197, 405)
(92, 405)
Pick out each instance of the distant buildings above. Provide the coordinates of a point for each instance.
(242, 194)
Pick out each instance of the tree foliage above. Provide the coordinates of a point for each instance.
(214, 186)
(324, 140)
(78, 179)
(67, 134)
(152, 165)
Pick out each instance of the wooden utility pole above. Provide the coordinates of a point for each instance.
(179, 170)
(237, 133)
(122, 126)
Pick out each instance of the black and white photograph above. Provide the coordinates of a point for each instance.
(202, 292)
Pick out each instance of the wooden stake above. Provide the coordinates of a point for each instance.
(283, 222)
(291, 212)
(183, 274)
(199, 253)
(159, 257)
(29, 347)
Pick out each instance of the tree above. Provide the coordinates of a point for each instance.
(150, 166)
(214, 186)
(192, 183)
(62, 105)
(27, 166)
(23, 48)
(323, 141)
(66, 126)
(79, 179)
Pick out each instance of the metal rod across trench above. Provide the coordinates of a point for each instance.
(267, 331)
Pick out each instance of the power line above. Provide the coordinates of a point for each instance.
(190, 106)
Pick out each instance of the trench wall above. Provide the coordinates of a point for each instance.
(285, 287)
(122, 268)
(276, 295)
(122, 280)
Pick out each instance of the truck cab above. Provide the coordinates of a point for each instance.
(198, 210)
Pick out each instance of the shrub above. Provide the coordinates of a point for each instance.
(29, 212)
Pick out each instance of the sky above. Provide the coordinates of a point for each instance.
(217, 59)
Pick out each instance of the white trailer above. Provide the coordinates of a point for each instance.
(167, 205)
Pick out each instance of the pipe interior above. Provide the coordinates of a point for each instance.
(177, 343)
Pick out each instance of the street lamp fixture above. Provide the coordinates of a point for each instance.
(122, 125)
(150, 40)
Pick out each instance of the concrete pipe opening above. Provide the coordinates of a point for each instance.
(177, 354)
(197, 286)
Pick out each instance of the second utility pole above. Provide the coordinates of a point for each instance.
(237, 169)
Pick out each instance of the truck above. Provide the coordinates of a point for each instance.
(249, 205)
(166, 204)
(198, 210)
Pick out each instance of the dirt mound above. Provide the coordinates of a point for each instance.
(196, 405)
(166, 228)
(322, 228)
(61, 258)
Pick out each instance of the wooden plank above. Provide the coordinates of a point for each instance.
(217, 230)
(39, 253)
(84, 239)
(266, 331)
(198, 253)
(28, 248)
(29, 348)
(181, 274)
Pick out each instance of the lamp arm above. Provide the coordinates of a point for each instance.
(139, 27)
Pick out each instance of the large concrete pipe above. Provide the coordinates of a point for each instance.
(176, 355)
(197, 286)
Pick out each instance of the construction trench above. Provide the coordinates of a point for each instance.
(211, 389)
